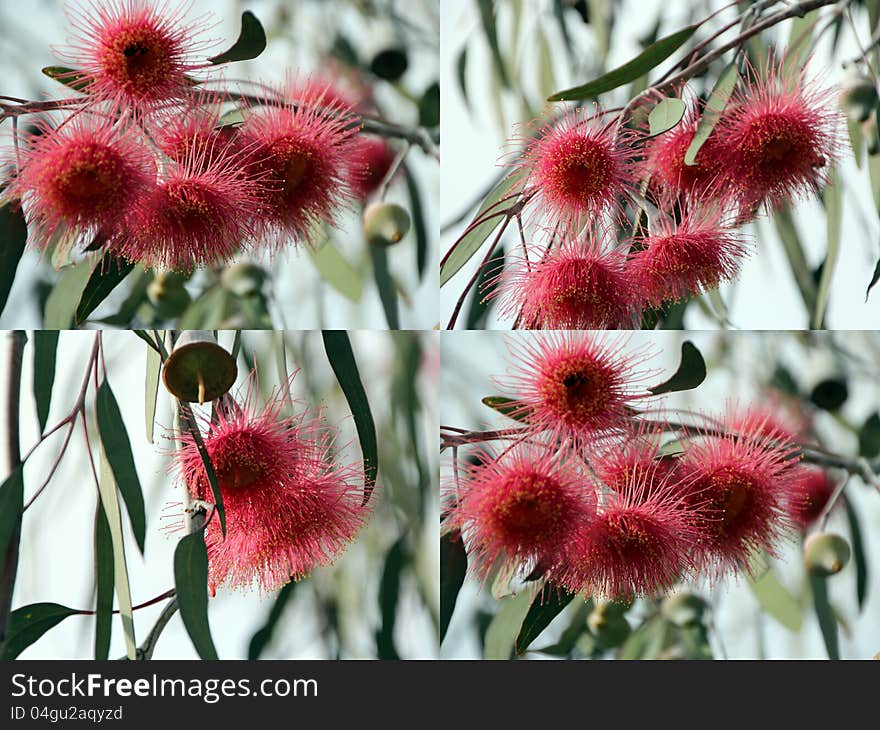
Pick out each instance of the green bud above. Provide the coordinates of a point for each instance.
(385, 223)
(168, 296)
(610, 630)
(825, 553)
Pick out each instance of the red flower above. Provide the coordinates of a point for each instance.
(576, 168)
(811, 488)
(304, 152)
(82, 176)
(578, 386)
(290, 505)
(636, 458)
(136, 52)
(680, 261)
(196, 134)
(371, 160)
(579, 284)
(780, 136)
(518, 510)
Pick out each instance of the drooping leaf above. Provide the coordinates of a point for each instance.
(834, 215)
(45, 348)
(104, 580)
(106, 276)
(487, 15)
(262, 636)
(341, 357)
(250, 44)
(478, 310)
(209, 310)
(797, 260)
(691, 371)
(665, 115)
(830, 394)
(825, 615)
(13, 236)
(11, 506)
(506, 407)
(712, 112)
(466, 246)
(420, 229)
(151, 390)
(28, 623)
(875, 277)
(453, 568)
(390, 64)
(389, 595)
(869, 436)
(461, 75)
(505, 627)
(191, 585)
(429, 107)
(336, 270)
(798, 48)
(860, 559)
(187, 417)
(546, 606)
(647, 641)
(777, 601)
(648, 59)
(65, 295)
(385, 285)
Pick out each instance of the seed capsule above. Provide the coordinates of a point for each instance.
(385, 223)
(826, 553)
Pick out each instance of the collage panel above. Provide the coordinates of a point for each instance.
(675, 165)
(323, 556)
(610, 495)
(194, 164)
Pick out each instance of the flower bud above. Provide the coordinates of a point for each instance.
(609, 626)
(683, 609)
(858, 98)
(168, 295)
(198, 369)
(385, 223)
(825, 553)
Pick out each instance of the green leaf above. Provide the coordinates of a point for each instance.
(546, 607)
(263, 636)
(335, 270)
(834, 215)
(389, 595)
(825, 615)
(507, 407)
(187, 417)
(151, 389)
(665, 115)
(651, 57)
(339, 353)
(505, 627)
(45, 347)
(830, 394)
(546, 79)
(104, 579)
(70, 77)
(468, 244)
(191, 584)
(418, 219)
(250, 44)
(28, 623)
(798, 48)
(860, 559)
(713, 110)
(869, 437)
(390, 64)
(11, 506)
(487, 15)
(777, 601)
(13, 236)
(110, 502)
(429, 107)
(117, 448)
(385, 285)
(106, 276)
(461, 74)
(65, 295)
(647, 641)
(691, 371)
(875, 277)
(797, 260)
(453, 568)
(209, 310)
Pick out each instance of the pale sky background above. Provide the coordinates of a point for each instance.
(765, 296)
(471, 359)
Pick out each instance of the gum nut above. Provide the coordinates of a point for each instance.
(199, 370)
(825, 553)
(683, 609)
(385, 223)
(610, 631)
(243, 278)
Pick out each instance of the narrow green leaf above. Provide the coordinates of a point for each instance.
(104, 580)
(825, 615)
(648, 59)
(468, 244)
(487, 15)
(45, 347)
(250, 44)
(385, 285)
(830, 394)
(13, 236)
(65, 295)
(117, 448)
(453, 568)
(875, 277)
(691, 371)
(505, 627)
(461, 74)
(110, 502)
(263, 636)
(418, 220)
(335, 270)
(546, 607)
(798, 47)
(28, 623)
(860, 558)
(665, 115)
(647, 641)
(191, 584)
(11, 506)
(869, 436)
(713, 110)
(187, 417)
(506, 407)
(209, 310)
(797, 260)
(70, 77)
(546, 78)
(151, 390)
(389, 595)
(777, 601)
(834, 214)
(339, 353)
(106, 276)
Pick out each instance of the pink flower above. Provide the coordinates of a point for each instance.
(517, 510)
(579, 387)
(780, 135)
(136, 52)
(203, 212)
(195, 133)
(637, 457)
(81, 176)
(642, 541)
(290, 504)
(577, 284)
(576, 168)
(810, 491)
(304, 151)
(371, 160)
(679, 261)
